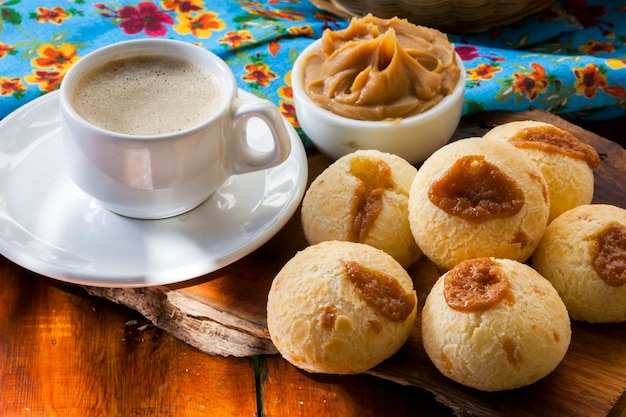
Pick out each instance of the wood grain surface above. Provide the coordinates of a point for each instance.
(63, 353)
(67, 354)
(223, 313)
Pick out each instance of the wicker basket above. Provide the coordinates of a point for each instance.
(454, 16)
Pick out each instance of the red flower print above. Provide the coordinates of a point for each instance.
(55, 15)
(593, 47)
(47, 80)
(6, 49)
(146, 16)
(11, 86)
(183, 6)
(467, 53)
(259, 73)
(531, 84)
(482, 72)
(588, 80)
(236, 39)
(587, 16)
(288, 110)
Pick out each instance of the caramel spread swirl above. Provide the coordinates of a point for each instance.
(379, 69)
(609, 255)
(381, 291)
(475, 285)
(374, 177)
(476, 190)
(555, 140)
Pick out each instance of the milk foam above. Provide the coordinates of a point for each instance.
(148, 95)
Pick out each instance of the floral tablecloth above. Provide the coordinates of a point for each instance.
(569, 59)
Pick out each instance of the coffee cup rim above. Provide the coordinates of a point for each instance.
(146, 47)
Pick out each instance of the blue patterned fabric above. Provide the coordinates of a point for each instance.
(569, 59)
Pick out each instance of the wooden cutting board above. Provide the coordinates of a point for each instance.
(223, 313)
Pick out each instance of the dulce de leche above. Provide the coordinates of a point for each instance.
(381, 69)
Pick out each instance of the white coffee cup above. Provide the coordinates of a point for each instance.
(158, 175)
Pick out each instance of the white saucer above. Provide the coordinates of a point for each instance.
(51, 227)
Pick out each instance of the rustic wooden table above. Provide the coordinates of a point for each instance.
(64, 352)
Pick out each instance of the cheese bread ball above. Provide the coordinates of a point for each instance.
(494, 324)
(340, 308)
(566, 163)
(583, 254)
(478, 197)
(363, 197)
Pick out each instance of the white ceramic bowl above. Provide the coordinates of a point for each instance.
(414, 138)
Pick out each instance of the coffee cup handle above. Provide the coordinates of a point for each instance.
(244, 157)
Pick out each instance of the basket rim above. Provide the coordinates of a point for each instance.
(442, 21)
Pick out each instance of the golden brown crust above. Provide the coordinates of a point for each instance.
(565, 162)
(508, 345)
(339, 204)
(448, 239)
(322, 319)
(583, 254)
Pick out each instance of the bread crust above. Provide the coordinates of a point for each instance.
(320, 322)
(448, 239)
(509, 345)
(565, 258)
(327, 211)
(570, 180)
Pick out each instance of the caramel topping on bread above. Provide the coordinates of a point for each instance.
(476, 190)
(552, 139)
(374, 177)
(329, 317)
(475, 285)
(565, 162)
(381, 291)
(340, 307)
(583, 254)
(363, 198)
(609, 255)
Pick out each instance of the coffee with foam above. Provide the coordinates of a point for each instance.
(148, 95)
(152, 128)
